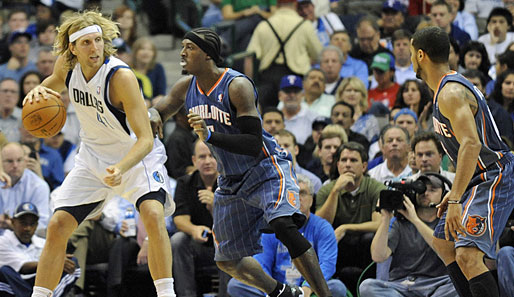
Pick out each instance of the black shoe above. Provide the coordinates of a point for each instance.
(292, 291)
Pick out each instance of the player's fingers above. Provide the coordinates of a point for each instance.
(461, 229)
(446, 232)
(160, 132)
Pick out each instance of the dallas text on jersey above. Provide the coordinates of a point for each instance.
(87, 99)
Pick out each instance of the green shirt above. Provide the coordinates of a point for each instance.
(239, 5)
(353, 209)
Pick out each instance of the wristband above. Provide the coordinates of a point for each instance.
(454, 202)
(208, 135)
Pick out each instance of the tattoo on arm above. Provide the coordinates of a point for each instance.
(470, 99)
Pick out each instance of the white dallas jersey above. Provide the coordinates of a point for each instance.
(105, 130)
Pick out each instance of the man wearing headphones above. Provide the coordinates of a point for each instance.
(415, 270)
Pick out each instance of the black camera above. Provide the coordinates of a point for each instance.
(392, 198)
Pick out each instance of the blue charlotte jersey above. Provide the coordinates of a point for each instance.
(493, 148)
(218, 113)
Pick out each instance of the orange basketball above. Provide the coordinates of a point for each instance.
(44, 118)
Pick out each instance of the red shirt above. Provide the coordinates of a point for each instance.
(385, 96)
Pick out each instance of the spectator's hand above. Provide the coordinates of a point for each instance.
(386, 214)
(39, 92)
(6, 179)
(251, 11)
(198, 231)
(206, 197)
(35, 166)
(124, 228)
(307, 291)
(113, 177)
(142, 256)
(340, 232)
(344, 180)
(512, 228)
(156, 122)
(198, 124)
(410, 211)
(5, 222)
(13, 64)
(69, 265)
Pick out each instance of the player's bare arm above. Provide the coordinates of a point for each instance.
(169, 105)
(54, 84)
(125, 95)
(249, 141)
(457, 107)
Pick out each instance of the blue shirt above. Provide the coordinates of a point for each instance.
(18, 73)
(276, 261)
(52, 166)
(355, 67)
(158, 78)
(30, 188)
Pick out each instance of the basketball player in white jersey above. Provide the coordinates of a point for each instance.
(118, 153)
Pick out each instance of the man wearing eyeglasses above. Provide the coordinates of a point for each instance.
(18, 64)
(10, 114)
(368, 37)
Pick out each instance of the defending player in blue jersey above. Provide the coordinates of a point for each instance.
(257, 186)
(476, 209)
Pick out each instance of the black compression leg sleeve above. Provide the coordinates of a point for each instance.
(484, 285)
(459, 280)
(287, 232)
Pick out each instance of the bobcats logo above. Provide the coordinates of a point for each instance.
(291, 198)
(476, 225)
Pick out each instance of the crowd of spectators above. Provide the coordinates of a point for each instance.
(337, 90)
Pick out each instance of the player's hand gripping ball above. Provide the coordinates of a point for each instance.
(44, 118)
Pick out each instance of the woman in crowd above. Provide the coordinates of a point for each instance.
(473, 55)
(415, 94)
(503, 92)
(27, 82)
(352, 91)
(126, 18)
(149, 73)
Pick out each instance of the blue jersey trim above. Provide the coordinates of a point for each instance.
(68, 78)
(120, 115)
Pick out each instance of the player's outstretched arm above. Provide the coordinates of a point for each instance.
(54, 84)
(169, 105)
(124, 93)
(458, 105)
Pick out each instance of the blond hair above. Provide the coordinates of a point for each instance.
(138, 45)
(78, 21)
(358, 85)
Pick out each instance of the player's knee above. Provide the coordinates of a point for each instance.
(229, 267)
(468, 257)
(60, 227)
(287, 232)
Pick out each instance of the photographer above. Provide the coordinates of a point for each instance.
(415, 268)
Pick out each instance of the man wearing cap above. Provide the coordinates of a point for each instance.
(415, 269)
(26, 187)
(19, 62)
(19, 256)
(498, 37)
(383, 72)
(297, 118)
(307, 149)
(406, 118)
(393, 18)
